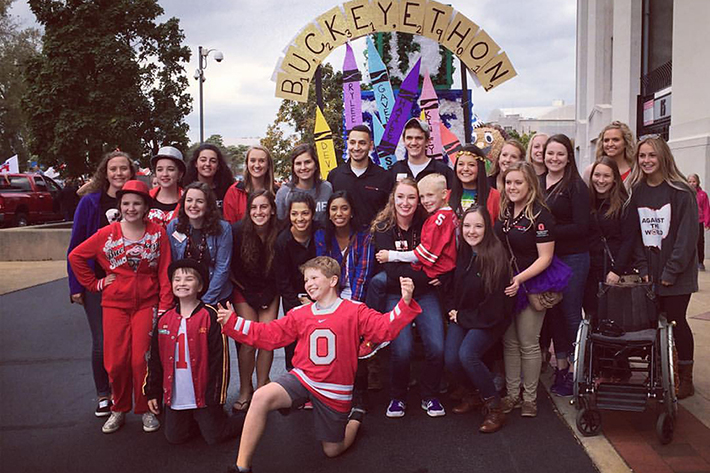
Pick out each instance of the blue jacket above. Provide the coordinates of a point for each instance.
(361, 259)
(220, 247)
(87, 219)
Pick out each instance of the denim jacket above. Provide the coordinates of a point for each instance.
(220, 247)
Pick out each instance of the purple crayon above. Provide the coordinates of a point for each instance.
(352, 101)
(401, 112)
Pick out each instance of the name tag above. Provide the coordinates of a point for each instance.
(179, 236)
(401, 175)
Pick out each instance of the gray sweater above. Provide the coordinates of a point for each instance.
(667, 223)
(321, 198)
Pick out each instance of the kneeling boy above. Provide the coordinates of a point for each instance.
(189, 363)
(327, 334)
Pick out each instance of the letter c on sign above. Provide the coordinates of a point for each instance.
(329, 337)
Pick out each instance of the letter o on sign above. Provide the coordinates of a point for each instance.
(329, 337)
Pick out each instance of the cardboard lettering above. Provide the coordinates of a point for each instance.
(334, 26)
(292, 87)
(436, 20)
(479, 51)
(360, 17)
(386, 15)
(496, 71)
(411, 16)
(461, 30)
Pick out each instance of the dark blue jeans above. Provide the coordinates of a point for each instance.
(567, 315)
(377, 292)
(94, 314)
(430, 326)
(464, 354)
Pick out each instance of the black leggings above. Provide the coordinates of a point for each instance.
(676, 308)
(701, 243)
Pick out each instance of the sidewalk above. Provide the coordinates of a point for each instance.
(627, 442)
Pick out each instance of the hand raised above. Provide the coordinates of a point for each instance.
(407, 286)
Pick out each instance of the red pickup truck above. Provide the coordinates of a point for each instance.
(28, 198)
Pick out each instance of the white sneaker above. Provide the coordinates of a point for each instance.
(150, 422)
(114, 422)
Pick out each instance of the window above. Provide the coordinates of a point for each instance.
(41, 185)
(53, 186)
(20, 183)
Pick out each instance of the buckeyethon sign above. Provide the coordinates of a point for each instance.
(450, 28)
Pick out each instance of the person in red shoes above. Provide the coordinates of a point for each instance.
(169, 168)
(135, 254)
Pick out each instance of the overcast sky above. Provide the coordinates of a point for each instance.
(239, 102)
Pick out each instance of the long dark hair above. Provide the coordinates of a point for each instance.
(252, 245)
(301, 198)
(482, 187)
(223, 178)
(311, 151)
(571, 173)
(210, 225)
(491, 258)
(617, 194)
(330, 227)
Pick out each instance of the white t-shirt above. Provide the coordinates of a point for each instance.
(417, 168)
(183, 387)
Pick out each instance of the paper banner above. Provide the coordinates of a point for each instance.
(436, 20)
(479, 51)
(451, 144)
(386, 13)
(352, 98)
(496, 71)
(429, 105)
(401, 112)
(323, 140)
(360, 16)
(335, 27)
(291, 87)
(380, 81)
(411, 16)
(460, 32)
(313, 41)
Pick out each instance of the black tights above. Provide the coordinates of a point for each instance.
(676, 308)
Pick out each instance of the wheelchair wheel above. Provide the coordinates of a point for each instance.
(667, 367)
(589, 422)
(664, 428)
(580, 362)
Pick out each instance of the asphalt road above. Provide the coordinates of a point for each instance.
(47, 422)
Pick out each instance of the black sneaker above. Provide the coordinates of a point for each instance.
(234, 469)
(103, 408)
(357, 414)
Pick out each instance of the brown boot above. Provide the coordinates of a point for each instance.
(467, 404)
(494, 419)
(686, 388)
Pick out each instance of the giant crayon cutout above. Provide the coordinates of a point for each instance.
(352, 100)
(451, 144)
(325, 149)
(429, 105)
(401, 112)
(380, 80)
(378, 131)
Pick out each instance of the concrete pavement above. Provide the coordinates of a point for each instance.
(627, 442)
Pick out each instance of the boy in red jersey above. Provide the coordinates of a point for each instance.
(188, 367)
(327, 334)
(436, 252)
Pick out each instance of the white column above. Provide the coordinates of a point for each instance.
(626, 60)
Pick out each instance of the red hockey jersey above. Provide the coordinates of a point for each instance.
(437, 249)
(327, 342)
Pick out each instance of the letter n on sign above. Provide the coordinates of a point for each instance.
(496, 71)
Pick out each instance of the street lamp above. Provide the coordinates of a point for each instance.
(200, 76)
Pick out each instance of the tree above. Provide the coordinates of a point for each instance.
(233, 154)
(524, 138)
(109, 76)
(16, 48)
(301, 117)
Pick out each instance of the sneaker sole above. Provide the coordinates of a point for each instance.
(102, 414)
(373, 352)
(110, 431)
(150, 429)
(394, 415)
(433, 413)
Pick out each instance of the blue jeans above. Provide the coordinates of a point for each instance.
(94, 315)
(464, 356)
(567, 315)
(377, 292)
(430, 325)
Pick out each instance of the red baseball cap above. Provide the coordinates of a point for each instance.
(135, 186)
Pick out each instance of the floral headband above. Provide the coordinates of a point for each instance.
(469, 153)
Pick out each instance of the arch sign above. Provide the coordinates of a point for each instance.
(357, 18)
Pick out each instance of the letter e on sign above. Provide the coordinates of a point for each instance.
(360, 16)
(411, 16)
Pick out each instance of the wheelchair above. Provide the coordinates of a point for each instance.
(626, 336)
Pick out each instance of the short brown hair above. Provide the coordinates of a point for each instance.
(325, 264)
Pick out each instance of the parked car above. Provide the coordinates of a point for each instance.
(27, 199)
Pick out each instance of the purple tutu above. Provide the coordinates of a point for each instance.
(555, 279)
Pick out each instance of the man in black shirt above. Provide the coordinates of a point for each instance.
(417, 165)
(368, 184)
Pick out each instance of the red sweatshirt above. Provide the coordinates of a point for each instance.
(146, 285)
(235, 203)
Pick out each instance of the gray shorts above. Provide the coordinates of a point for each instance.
(329, 423)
